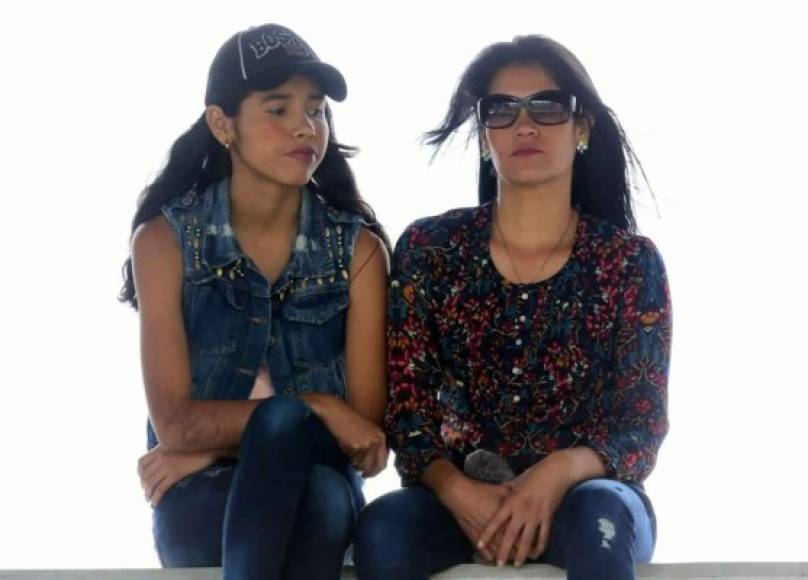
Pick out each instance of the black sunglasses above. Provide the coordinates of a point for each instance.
(545, 108)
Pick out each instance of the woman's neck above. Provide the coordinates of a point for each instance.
(534, 218)
(259, 207)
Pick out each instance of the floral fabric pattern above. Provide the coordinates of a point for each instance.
(579, 359)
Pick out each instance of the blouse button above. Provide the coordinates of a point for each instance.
(516, 398)
(516, 371)
(524, 295)
(522, 318)
(518, 342)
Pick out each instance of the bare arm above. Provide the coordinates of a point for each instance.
(366, 333)
(356, 423)
(181, 423)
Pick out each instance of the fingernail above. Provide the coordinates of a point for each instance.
(481, 544)
(500, 564)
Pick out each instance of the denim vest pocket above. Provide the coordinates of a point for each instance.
(214, 316)
(213, 334)
(316, 307)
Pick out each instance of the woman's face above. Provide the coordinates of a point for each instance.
(527, 153)
(281, 134)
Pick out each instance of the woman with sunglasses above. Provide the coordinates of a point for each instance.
(528, 342)
(260, 277)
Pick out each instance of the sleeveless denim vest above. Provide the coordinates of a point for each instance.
(235, 320)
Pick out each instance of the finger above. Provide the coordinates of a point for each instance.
(379, 460)
(471, 534)
(154, 453)
(145, 462)
(383, 454)
(150, 485)
(495, 542)
(151, 473)
(544, 536)
(148, 479)
(370, 461)
(487, 554)
(160, 491)
(505, 548)
(500, 517)
(367, 463)
(526, 542)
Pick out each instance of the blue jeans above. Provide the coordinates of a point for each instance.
(285, 509)
(600, 530)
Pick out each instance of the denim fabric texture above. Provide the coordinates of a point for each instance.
(601, 530)
(235, 319)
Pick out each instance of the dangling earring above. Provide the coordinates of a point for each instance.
(582, 147)
(486, 155)
(226, 145)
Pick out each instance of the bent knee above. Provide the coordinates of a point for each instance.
(277, 416)
(388, 520)
(329, 497)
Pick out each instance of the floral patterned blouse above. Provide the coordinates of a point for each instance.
(579, 359)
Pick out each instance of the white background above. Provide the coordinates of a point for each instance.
(712, 94)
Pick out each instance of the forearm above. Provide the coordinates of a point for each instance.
(324, 405)
(577, 464)
(444, 479)
(206, 426)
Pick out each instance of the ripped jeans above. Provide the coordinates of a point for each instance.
(599, 532)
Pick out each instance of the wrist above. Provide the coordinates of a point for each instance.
(445, 480)
(319, 403)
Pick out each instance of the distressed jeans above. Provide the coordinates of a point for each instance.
(285, 509)
(599, 532)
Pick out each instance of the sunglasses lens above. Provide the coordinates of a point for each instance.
(545, 112)
(498, 112)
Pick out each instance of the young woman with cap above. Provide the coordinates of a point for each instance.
(260, 278)
(529, 342)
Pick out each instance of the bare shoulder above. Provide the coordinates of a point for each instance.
(370, 253)
(153, 236)
(156, 257)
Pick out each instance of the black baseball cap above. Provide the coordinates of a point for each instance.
(263, 57)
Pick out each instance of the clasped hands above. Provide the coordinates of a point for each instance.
(511, 522)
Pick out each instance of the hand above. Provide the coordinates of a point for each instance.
(526, 515)
(361, 440)
(160, 469)
(473, 504)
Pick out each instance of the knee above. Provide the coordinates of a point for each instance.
(276, 418)
(383, 535)
(328, 506)
(598, 515)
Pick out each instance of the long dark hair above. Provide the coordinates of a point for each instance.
(197, 159)
(602, 178)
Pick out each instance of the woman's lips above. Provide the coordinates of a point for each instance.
(526, 152)
(304, 154)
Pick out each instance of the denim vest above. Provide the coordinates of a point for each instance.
(235, 320)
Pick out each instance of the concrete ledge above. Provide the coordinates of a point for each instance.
(699, 571)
